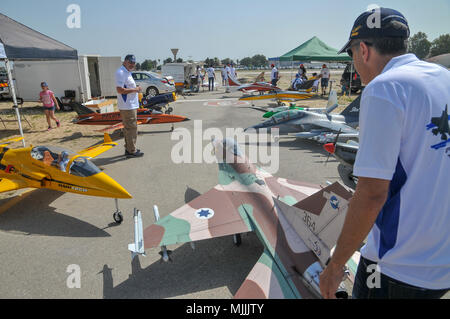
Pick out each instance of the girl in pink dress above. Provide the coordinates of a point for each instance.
(47, 98)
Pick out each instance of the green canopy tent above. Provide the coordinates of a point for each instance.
(315, 50)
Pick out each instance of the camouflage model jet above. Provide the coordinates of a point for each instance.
(297, 239)
(311, 124)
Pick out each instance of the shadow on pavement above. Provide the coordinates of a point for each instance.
(34, 216)
(214, 263)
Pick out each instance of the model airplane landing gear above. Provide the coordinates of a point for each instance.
(118, 217)
(237, 240)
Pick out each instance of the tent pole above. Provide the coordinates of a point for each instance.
(81, 82)
(12, 91)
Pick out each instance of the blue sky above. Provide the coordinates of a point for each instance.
(210, 28)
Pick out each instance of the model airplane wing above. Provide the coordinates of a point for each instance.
(120, 125)
(96, 150)
(11, 140)
(7, 184)
(319, 219)
(333, 126)
(265, 281)
(207, 216)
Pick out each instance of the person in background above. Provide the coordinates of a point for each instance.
(128, 103)
(302, 72)
(228, 74)
(211, 77)
(325, 76)
(297, 82)
(344, 88)
(315, 87)
(274, 76)
(233, 71)
(224, 75)
(49, 101)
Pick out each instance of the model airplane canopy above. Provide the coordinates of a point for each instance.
(18, 41)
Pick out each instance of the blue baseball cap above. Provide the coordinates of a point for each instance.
(44, 84)
(378, 23)
(131, 58)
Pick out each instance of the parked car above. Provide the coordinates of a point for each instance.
(356, 80)
(153, 84)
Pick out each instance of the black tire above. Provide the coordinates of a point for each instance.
(118, 218)
(346, 174)
(237, 240)
(151, 91)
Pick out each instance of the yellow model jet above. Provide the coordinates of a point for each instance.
(58, 169)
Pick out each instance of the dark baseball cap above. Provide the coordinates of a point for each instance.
(131, 58)
(377, 23)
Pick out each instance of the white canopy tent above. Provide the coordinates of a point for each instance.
(19, 42)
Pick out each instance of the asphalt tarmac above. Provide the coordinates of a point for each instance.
(48, 236)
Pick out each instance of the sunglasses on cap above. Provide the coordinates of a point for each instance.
(349, 50)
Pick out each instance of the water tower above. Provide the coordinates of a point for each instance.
(174, 51)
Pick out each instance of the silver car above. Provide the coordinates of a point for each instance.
(153, 84)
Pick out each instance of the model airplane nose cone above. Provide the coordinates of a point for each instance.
(330, 148)
(109, 187)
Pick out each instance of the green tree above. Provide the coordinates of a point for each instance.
(226, 61)
(259, 60)
(419, 45)
(168, 60)
(148, 65)
(138, 66)
(247, 61)
(440, 45)
(179, 60)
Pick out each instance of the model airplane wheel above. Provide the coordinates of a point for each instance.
(118, 218)
(237, 240)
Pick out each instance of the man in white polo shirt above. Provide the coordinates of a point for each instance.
(403, 165)
(128, 103)
(274, 76)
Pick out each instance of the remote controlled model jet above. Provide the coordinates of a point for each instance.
(279, 96)
(331, 105)
(309, 124)
(58, 169)
(297, 239)
(151, 115)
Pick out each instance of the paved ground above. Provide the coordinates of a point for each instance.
(48, 231)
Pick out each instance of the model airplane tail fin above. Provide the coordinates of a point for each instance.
(353, 108)
(137, 248)
(81, 109)
(233, 82)
(318, 219)
(332, 101)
